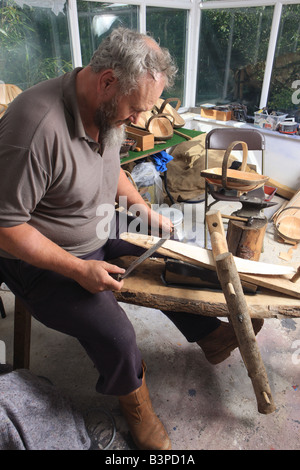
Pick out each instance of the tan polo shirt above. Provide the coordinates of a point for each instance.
(52, 175)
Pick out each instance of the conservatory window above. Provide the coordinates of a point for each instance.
(34, 41)
(98, 19)
(227, 57)
(233, 47)
(168, 26)
(284, 94)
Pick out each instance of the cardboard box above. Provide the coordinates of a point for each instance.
(214, 112)
(144, 139)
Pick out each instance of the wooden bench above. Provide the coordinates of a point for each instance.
(145, 288)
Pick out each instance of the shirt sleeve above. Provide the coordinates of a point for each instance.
(23, 183)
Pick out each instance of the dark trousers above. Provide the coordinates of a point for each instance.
(96, 320)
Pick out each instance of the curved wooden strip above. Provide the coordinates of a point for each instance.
(204, 257)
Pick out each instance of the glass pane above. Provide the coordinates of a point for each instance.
(232, 52)
(168, 27)
(96, 21)
(285, 83)
(34, 44)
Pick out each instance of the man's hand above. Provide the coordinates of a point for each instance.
(163, 223)
(159, 223)
(95, 276)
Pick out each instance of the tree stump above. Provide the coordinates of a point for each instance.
(246, 241)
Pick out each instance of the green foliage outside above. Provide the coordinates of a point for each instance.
(233, 49)
(233, 46)
(34, 44)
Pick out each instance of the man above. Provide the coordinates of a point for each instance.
(59, 165)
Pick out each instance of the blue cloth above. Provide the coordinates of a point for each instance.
(161, 159)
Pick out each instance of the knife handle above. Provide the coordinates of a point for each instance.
(117, 276)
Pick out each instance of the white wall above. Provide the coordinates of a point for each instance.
(282, 153)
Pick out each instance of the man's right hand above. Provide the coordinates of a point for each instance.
(95, 276)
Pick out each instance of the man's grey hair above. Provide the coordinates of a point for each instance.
(132, 55)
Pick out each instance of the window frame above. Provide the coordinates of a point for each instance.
(193, 22)
(194, 8)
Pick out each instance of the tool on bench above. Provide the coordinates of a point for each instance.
(142, 258)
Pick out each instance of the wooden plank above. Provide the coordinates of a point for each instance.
(202, 257)
(282, 190)
(281, 284)
(144, 287)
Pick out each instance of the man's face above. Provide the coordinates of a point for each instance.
(129, 107)
(125, 109)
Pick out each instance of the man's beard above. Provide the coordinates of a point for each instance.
(109, 134)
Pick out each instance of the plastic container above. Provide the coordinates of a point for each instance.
(148, 182)
(268, 121)
(176, 217)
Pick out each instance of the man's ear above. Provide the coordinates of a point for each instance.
(106, 81)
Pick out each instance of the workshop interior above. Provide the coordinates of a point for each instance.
(219, 155)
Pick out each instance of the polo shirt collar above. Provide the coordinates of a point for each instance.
(70, 101)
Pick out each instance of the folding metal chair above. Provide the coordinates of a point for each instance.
(220, 139)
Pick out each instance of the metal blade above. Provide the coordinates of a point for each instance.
(142, 258)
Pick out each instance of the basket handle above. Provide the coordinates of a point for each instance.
(170, 100)
(226, 156)
(160, 116)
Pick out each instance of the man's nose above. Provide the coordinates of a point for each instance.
(133, 118)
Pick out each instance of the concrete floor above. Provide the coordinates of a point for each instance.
(202, 406)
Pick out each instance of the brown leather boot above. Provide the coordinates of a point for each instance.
(146, 429)
(218, 345)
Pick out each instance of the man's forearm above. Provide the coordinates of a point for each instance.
(28, 244)
(126, 189)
